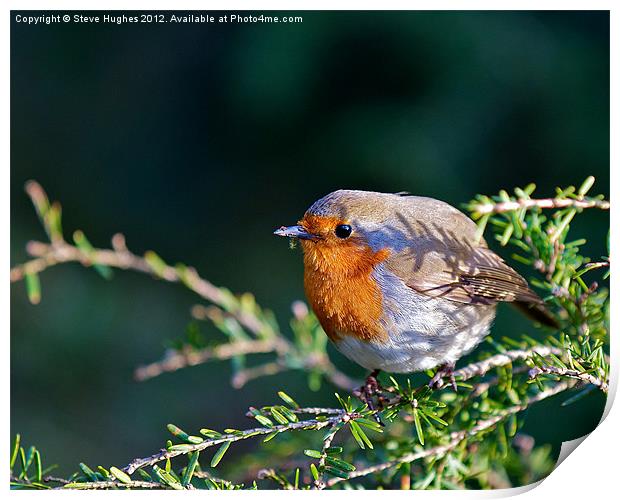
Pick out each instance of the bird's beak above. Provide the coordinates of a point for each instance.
(295, 232)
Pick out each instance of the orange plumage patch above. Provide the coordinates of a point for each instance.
(338, 281)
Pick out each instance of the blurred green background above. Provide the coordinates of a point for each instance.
(197, 140)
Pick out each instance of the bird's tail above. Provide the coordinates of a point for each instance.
(538, 312)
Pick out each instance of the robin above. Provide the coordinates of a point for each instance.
(402, 283)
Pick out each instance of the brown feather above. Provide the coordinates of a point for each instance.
(463, 271)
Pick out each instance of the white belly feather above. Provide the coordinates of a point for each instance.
(423, 332)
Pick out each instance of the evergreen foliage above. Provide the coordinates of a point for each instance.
(432, 438)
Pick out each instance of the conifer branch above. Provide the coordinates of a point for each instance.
(567, 372)
(60, 252)
(188, 356)
(456, 438)
(445, 424)
(508, 206)
(310, 424)
(331, 416)
(107, 485)
(504, 358)
(177, 359)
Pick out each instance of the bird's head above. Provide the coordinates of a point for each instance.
(343, 231)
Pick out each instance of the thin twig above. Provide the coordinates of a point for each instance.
(104, 485)
(320, 483)
(175, 360)
(482, 367)
(456, 437)
(508, 206)
(319, 411)
(48, 255)
(313, 424)
(53, 479)
(567, 372)
(243, 376)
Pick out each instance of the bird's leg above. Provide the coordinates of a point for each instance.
(377, 389)
(370, 388)
(445, 370)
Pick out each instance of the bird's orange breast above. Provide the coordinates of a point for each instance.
(341, 290)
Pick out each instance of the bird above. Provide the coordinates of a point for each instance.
(403, 283)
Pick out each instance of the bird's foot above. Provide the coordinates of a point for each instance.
(367, 392)
(444, 371)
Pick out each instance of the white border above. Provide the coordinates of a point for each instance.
(579, 474)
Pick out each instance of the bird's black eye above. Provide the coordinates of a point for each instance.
(343, 231)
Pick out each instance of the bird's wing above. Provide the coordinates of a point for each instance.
(435, 251)
(460, 272)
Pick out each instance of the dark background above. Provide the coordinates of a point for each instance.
(198, 140)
